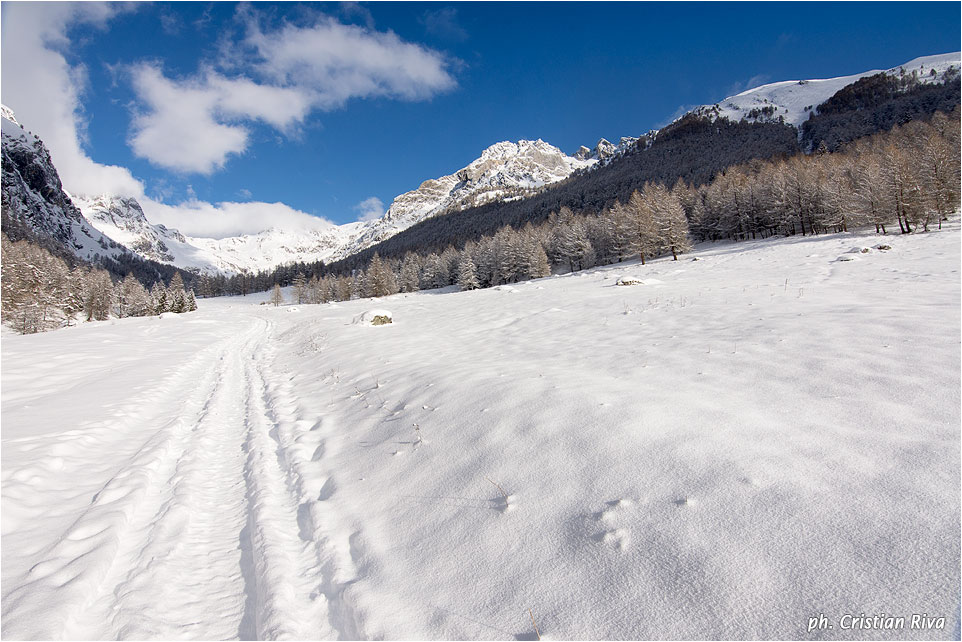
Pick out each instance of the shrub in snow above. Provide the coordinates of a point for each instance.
(860, 250)
(628, 280)
(374, 317)
(883, 247)
(847, 257)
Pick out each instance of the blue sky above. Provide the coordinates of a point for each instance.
(207, 103)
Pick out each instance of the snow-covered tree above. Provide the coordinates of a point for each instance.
(467, 273)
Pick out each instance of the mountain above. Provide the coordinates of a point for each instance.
(504, 172)
(704, 142)
(123, 220)
(36, 207)
(793, 101)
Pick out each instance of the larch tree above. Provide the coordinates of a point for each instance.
(277, 297)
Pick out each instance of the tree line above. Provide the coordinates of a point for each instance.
(908, 177)
(40, 291)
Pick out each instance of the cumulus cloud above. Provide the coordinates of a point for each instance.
(370, 209)
(221, 220)
(45, 91)
(179, 131)
(335, 62)
(196, 124)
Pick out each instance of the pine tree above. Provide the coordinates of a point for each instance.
(410, 278)
(467, 273)
(191, 301)
(131, 300)
(380, 278)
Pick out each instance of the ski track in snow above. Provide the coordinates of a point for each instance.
(207, 530)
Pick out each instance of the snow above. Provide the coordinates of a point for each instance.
(770, 435)
(7, 114)
(376, 316)
(795, 99)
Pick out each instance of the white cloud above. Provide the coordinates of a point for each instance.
(337, 62)
(179, 131)
(221, 220)
(196, 124)
(45, 91)
(370, 209)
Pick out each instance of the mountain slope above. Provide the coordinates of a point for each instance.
(792, 101)
(34, 202)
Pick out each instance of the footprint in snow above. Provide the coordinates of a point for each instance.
(611, 519)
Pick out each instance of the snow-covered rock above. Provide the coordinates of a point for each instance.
(377, 316)
(604, 151)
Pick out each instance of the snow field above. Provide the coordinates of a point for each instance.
(726, 449)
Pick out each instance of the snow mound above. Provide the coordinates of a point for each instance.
(374, 317)
(860, 250)
(847, 257)
(505, 288)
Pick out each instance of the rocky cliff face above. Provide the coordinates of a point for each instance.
(604, 150)
(123, 220)
(35, 203)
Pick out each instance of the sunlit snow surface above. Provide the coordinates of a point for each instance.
(733, 446)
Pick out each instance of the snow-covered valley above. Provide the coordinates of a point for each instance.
(725, 450)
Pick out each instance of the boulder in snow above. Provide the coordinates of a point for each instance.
(374, 317)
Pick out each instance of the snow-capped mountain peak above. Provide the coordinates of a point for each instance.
(504, 171)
